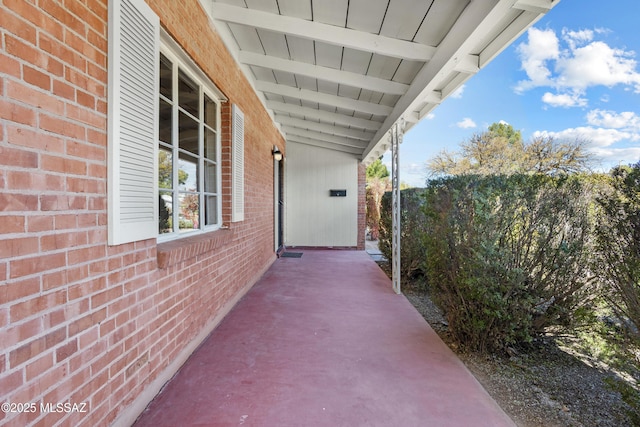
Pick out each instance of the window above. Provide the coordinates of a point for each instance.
(188, 150)
(163, 130)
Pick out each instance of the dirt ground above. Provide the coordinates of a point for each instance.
(551, 385)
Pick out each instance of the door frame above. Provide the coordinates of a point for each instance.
(278, 205)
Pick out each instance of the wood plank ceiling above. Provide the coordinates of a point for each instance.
(339, 73)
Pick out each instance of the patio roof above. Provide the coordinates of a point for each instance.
(339, 73)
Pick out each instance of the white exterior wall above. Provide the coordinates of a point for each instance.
(312, 218)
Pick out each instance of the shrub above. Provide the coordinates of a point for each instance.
(376, 188)
(618, 237)
(506, 255)
(412, 231)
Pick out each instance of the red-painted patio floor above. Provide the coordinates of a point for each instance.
(322, 340)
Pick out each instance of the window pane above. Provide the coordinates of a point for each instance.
(210, 175)
(188, 133)
(188, 94)
(211, 210)
(165, 219)
(210, 112)
(188, 173)
(165, 77)
(189, 214)
(210, 144)
(165, 123)
(188, 157)
(165, 168)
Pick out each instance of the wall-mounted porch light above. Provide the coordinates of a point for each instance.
(277, 154)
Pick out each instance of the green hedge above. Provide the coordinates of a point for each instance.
(412, 231)
(505, 256)
(618, 237)
(508, 256)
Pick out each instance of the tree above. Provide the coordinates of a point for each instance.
(501, 151)
(547, 156)
(189, 208)
(165, 171)
(505, 130)
(377, 184)
(377, 169)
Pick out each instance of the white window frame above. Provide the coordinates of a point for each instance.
(180, 60)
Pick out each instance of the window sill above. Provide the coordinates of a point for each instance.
(175, 251)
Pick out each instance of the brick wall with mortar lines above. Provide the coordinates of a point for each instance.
(362, 205)
(81, 321)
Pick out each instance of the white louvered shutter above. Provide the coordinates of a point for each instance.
(237, 186)
(133, 121)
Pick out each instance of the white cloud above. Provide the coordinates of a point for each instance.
(430, 116)
(613, 156)
(466, 123)
(574, 38)
(565, 100)
(612, 138)
(626, 120)
(572, 70)
(542, 46)
(597, 64)
(596, 137)
(458, 92)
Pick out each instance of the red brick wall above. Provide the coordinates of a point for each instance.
(81, 321)
(362, 205)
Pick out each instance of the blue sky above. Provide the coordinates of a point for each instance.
(574, 74)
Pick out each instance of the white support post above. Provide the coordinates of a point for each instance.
(397, 131)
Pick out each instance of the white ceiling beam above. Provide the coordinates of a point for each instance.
(324, 98)
(325, 128)
(323, 73)
(433, 97)
(349, 142)
(426, 110)
(451, 87)
(323, 144)
(326, 33)
(468, 64)
(412, 117)
(325, 116)
(537, 6)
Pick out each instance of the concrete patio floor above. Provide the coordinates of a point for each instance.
(322, 340)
